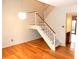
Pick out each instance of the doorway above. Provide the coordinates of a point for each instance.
(71, 23)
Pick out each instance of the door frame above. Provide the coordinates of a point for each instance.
(71, 14)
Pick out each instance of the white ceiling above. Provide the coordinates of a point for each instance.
(59, 2)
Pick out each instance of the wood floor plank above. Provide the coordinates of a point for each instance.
(36, 49)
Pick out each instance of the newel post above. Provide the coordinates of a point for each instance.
(35, 18)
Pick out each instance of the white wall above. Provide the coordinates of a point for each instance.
(13, 27)
(57, 18)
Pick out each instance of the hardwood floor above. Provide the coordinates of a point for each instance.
(36, 49)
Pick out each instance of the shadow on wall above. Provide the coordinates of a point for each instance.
(48, 11)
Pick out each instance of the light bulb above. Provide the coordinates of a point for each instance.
(22, 15)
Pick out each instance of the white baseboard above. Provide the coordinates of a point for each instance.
(20, 42)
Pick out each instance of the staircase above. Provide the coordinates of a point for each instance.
(47, 33)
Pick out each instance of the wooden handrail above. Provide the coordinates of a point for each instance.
(45, 22)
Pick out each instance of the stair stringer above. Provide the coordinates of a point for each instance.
(46, 39)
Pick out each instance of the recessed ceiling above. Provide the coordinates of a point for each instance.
(59, 2)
